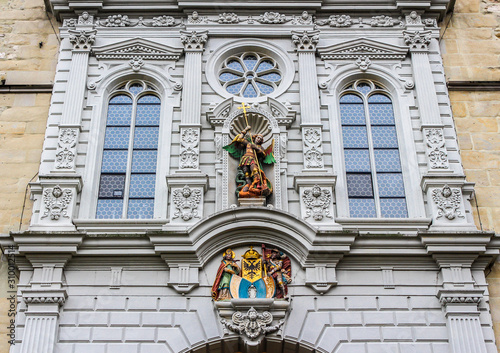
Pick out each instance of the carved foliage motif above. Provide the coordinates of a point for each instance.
(304, 19)
(448, 202)
(305, 40)
(189, 148)
(85, 19)
(193, 40)
(436, 150)
(252, 324)
(271, 18)
(317, 202)
(163, 21)
(313, 153)
(413, 19)
(65, 155)
(417, 40)
(56, 202)
(384, 21)
(82, 40)
(117, 21)
(186, 201)
(226, 18)
(337, 21)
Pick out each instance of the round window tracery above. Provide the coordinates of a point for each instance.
(250, 75)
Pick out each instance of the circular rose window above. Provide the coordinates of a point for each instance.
(250, 75)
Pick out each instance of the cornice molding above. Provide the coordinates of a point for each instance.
(137, 48)
(362, 48)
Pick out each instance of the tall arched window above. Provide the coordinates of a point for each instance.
(128, 171)
(375, 183)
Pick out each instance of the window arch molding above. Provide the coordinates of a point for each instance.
(98, 100)
(401, 99)
(225, 50)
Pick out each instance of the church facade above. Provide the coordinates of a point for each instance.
(251, 177)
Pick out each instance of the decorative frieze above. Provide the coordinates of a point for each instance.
(448, 202)
(40, 299)
(117, 21)
(82, 40)
(227, 18)
(313, 149)
(163, 21)
(337, 21)
(252, 324)
(186, 201)
(362, 48)
(189, 154)
(317, 202)
(304, 19)
(271, 18)
(413, 19)
(56, 202)
(66, 148)
(436, 149)
(384, 21)
(305, 41)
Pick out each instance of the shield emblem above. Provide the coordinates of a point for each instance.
(251, 269)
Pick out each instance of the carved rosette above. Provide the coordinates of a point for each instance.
(186, 201)
(418, 40)
(337, 21)
(317, 202)
(193, 41)
(189, 155)
(56, 202)
(436, 149)
(66, 145)
(305, 41)
(82, 40)
(252, 324)
(448, 202)
(384, 21)
(313, 150)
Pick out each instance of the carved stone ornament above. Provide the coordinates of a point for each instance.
(384, 21)
(469, 299)
(82, 40)
(85, 19)
(196, 19)
(193, 40)
(436, 149)
(409, 84)
(136, 64)
(117, 21)
(271, 18)
(283, 146)
(304, 19)
(448, 202)
(44, 300)
(252, 324)
(417, 40)
(313, 154)
(363, 63)
(227, 18)
(305, 41)
(56, 202)
(163, 21)
(186, 201)
(337, 21)
(413, 19)
(317, 202)
(189, 148)
(66, 144)
(218, 147)
(429, 22)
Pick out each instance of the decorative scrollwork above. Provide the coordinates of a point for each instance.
(252, 324)
(56, 202)
(271, 18)
(317, 202)
(186, 201)
(436, 149)
(304, 19)
(189, 148)
(227, 18)
(163, 21)
(337, 21)
(448, 202)
(66, 144)
(384, 21)
(313, 154)
(117, 21)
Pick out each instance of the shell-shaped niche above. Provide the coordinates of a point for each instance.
(258, 122)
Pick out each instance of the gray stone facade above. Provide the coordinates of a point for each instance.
(412, 283)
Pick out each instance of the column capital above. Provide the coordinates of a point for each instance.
(194, 41)
(305, 41)
(81, 39)
(418, 41)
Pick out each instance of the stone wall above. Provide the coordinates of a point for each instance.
(28, 55)
(471, 52)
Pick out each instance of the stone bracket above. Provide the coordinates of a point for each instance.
(321, 277)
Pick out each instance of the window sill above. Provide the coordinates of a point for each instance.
(119, 226)
(385, 225)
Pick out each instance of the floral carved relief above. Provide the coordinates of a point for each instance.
(189, 148)
(317, 202)
(56, 202)
(436, 149)
(448, 202)
(186, 201)
(313, 152)
(252, 324)
(65, 156)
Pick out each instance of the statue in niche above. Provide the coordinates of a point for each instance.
(227, 269)
(265, 275)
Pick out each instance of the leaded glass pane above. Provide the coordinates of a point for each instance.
(144, 161)
(112, 186)
(390, 185)
(136, 88)
(350, 98)
(250, 61)
(379, 98)
(362, 208)
(109, 208)
(235, 65)
(352, 114)
(354, 137)
(381, 114)
(140, 208)
(359, 185)
(149, 99)
(264, 65)
(364, 88)
(119, 115)
(117, 138)
(387, 161)
(121, 99)
(142, 185)
(114, 161)
(273, 77)
(146, 138)
(249, 91)
(234, 89)
(393, 208)
(148, 115)
(263, 88)
(227, 76)
(357, 160)
(384, 137)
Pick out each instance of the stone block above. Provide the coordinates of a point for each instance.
(108, 334)
(396, 333)
(410, 318)
(347, 318)
(431, 333)
(332, 337)
(153, 348)
(90, 347)
(74, 334)
(467, 6)
(477, 124)
(124, 319)
(173, 303)
(484, 109)
(382, 347)
(123, 348)
(63, 347)
(157, 319)
(435, 317)
(25, 77)
(352, 348)
(464, 141)
(93, 319)
(488, 196)
(459, 109)
(139, 334)
(440, 348)
(110, 303)
(361, 302)
(415, 348)
(313, 326)
(379, 318)
(477, 160)
(364, 333)
(142, 303)
(174, 337)
(68, 318)
(12, 127)
(393, 302)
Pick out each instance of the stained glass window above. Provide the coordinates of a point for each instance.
(250, 75)
(128, 171)
(374, 176)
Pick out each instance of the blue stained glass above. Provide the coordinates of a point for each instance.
(393, 208)
(148, 114)
(390, 185)
(384, 137)
(350, 98)
(112, 186)
(364, 88)
(114, 161)
(379, 98)
(235, 65)
(387, 161)
(146, 138)
(250, 61)
(381, 114)
(227, 76)
(235, 89)
(357, 160)
(109, 209)
(121, 99)
(352, 114)
(354, 137)
(119, 115)
(359, 185)
(142, 185)
(264, 65)
(273, 77)
(263, 88)
(136, 88)
(362, 208)
(149, 99)
(117, 138)
(249, 91)
(144, 161)
(140, 208)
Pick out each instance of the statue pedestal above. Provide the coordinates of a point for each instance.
(254, 201)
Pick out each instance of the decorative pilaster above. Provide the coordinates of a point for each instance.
(309, 99)
(69, 127)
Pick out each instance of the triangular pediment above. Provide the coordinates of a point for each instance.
(362, 47)
(137, 48)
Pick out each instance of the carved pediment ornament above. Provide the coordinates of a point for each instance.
(137, 48)
(362, 48)
(253, 324)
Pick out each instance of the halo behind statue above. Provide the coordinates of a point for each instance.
(258, 122)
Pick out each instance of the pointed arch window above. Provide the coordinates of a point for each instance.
(129, 160)
(375, 184)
